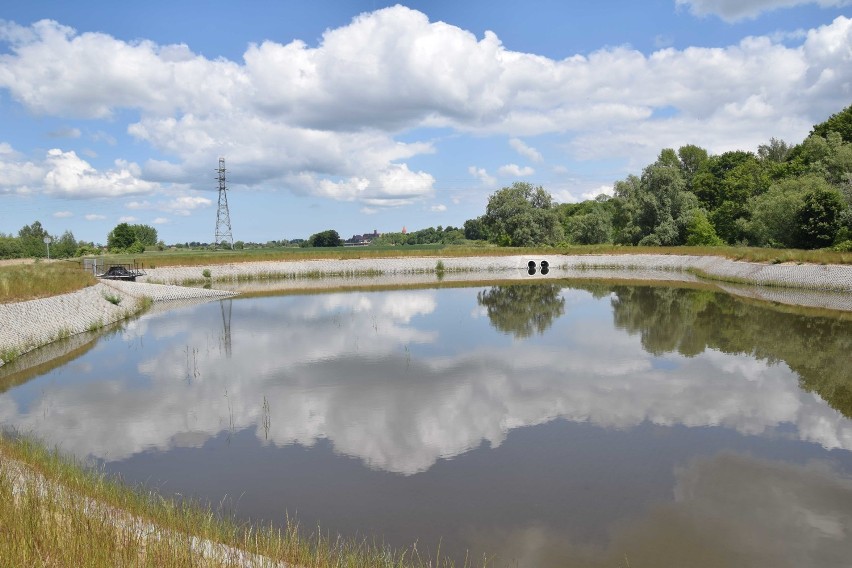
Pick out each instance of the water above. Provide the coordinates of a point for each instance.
(542, 424)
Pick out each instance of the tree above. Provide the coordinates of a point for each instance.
(818, 219)
(655, 209)
(65, 246)
(691, 158)
(522, 216)
(709, 182)
(776, 151)
(773, 214)
(145, 234)
(840, 122)
(328, 238)
(31, 239)
(474, 229)
(121, 237)
(589, 222)
(700, 232)
(10, 247)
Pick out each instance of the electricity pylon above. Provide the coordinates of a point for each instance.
(223, 216)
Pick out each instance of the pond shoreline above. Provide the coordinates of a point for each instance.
(36, 323)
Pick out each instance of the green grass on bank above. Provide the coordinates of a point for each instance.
(59, 513)
(19, 282)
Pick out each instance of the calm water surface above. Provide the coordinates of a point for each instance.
(549, 425)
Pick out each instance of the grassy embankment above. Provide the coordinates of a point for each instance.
(20, 282)
(54, 512)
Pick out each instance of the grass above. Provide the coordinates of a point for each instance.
(20, 282)
(113, 299)
(56, 512)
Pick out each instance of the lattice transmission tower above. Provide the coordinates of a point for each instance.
(223, 216)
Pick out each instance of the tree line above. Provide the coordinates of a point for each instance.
(783, 196)
(29, 242)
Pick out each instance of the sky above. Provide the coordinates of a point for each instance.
(360, 115)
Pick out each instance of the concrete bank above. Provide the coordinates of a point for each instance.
(25, 326)
(836, 278)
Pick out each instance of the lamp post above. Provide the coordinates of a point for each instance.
(47, 241)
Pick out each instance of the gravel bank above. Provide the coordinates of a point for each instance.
(25, 326)
(836, 278)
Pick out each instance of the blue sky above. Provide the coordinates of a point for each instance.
(361, 115)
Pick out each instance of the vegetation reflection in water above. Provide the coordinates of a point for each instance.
(272, 403)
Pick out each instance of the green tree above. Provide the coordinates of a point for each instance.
(772, 215)
(818, 219)
(121, 237)
(522, 216)
(145, 234)
(691, 158)
(31, 238)
(474, 229)
(10, 247)
(65, 246)
(840, 122)
(655, 209)
(591, 228)
(709, 182)
(775, 151)
(328, 238)
(700, 231)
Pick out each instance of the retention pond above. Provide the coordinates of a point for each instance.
(556, 424)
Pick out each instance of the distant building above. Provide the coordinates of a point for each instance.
(361, 240)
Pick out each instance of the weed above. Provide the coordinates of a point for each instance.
(9, 354)
(95, 325)
(206, 273)
(113, 299)
(439, 269)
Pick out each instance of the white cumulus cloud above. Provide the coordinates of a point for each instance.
(325, 120)
(514, 170)
(482, 175)
(524, 150)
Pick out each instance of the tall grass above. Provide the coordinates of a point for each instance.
(19, 282)
(55, 512)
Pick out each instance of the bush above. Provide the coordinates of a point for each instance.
(700, 232)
